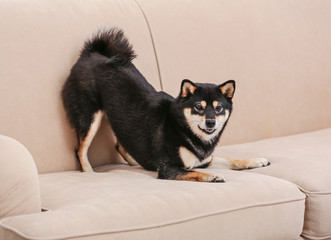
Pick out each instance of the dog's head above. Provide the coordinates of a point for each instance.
(206, 108)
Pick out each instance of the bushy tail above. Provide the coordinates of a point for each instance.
(110, 43)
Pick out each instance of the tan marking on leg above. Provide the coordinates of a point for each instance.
(85, 143)
(239, 164)
(127, 157)
(200, 177)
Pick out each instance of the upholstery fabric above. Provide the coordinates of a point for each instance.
(123, 202)
(304, 159)
(40, 42)
(19, 181)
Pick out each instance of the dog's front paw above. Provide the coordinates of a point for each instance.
(257, 163)
(241, 164)
(199, 177)
(214, 178)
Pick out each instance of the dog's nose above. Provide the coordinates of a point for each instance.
(210, 123)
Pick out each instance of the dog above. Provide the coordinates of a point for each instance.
(172, 136)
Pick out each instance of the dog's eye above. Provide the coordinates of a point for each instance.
(198, 107)
(218, 109)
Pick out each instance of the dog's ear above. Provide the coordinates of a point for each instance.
(187, 88)
(228, 88)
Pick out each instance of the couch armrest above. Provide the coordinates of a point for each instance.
(19, 181)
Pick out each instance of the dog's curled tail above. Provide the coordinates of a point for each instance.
(113, 44)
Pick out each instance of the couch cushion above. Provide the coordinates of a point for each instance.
(130, 203)
(40, 42)
(303, 159)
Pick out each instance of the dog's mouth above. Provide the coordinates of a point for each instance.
(208, 130)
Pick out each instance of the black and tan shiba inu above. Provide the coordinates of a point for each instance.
(169, 135)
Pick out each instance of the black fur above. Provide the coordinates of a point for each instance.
(150, 125)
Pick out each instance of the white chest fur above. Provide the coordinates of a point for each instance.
(189, 160)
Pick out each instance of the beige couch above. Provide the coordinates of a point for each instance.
(278, 52)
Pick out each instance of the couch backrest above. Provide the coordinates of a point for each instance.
(277, 51)
(39, 43)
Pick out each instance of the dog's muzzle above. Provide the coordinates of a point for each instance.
(208, 126)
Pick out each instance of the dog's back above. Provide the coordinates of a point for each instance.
(104, 80)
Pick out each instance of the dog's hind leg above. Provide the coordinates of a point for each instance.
(127, 157)
(238, 164)
(85, 140)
